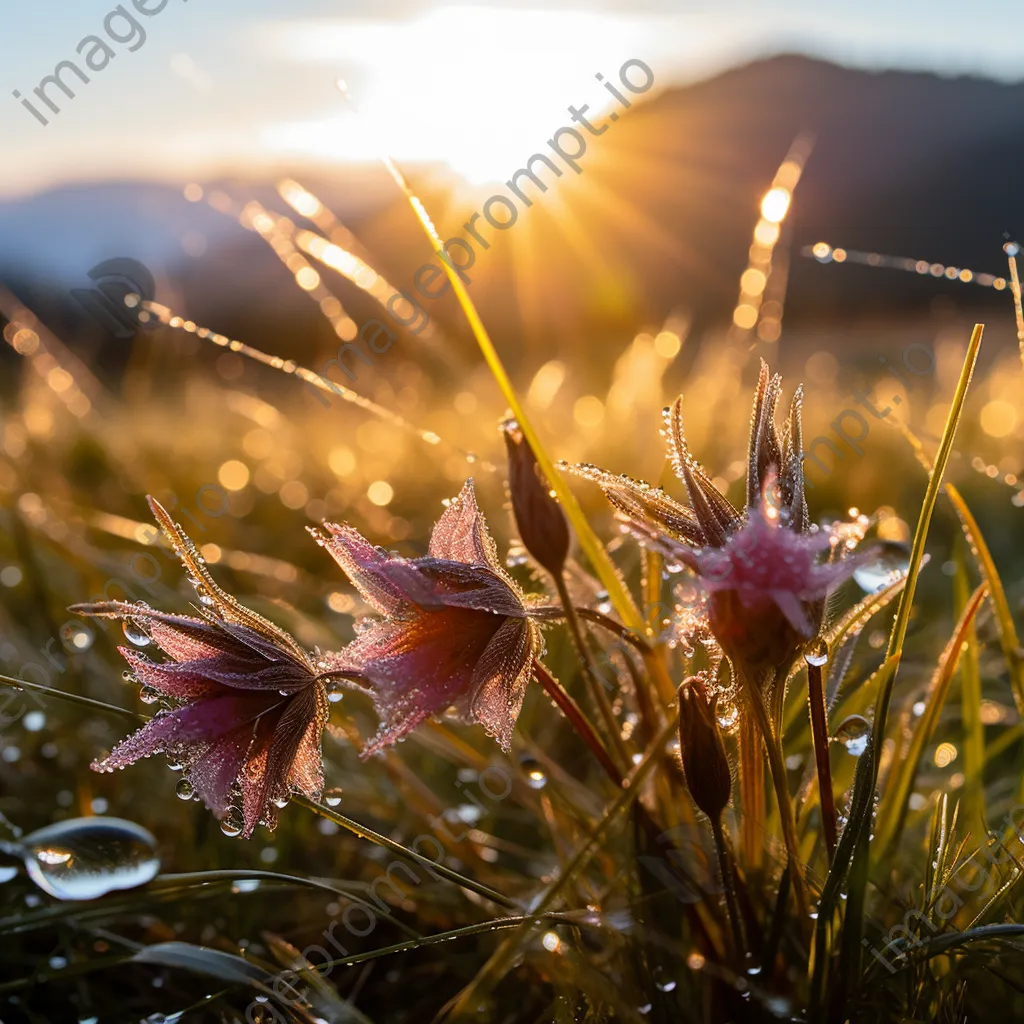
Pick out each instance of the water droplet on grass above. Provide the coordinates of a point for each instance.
(84, 858)
(854, 733)
(890, 562)
(536, 777)
(818, 656)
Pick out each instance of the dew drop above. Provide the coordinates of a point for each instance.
(7, 872)
(184, 790)
(728, 715)
(536, 777)
(363, 625)
(149, 695)
(134, 634)
(332, 797)
(854, 733)
(889, 564)
(818, 655)
(85, 858)
(662, 981)
(232, 823)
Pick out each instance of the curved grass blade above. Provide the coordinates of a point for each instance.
(858, 828)
(502, 959)
(970, 704)
(417, 858)
(941, 944)
(839, 636)
(71, 698)
(480, 928)
(214, 963)
(892, 814)
(595, 551)
(1008, 638)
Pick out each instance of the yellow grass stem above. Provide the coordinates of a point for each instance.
(592, 546)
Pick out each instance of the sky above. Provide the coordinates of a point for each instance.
(219, 85)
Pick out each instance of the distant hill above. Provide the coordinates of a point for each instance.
(905, 163)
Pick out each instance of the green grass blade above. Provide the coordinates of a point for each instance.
(893, 811)
(858, 828)
(1008, 639)
(970, 707)
(592, 546)
(71, 698)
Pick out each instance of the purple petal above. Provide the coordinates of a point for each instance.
(418, 669)
(461, 534)
(387, 583)
(267, 775)
(457, 585)
(214, 773)
(500, 680)
(199, 723)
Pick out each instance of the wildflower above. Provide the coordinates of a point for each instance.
(702, 750)
(251, 706)
(539, 518)
(762, 567)
(454, 628)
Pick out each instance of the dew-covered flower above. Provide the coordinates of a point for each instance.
(454, 629)
(249, 705)
(765, 570)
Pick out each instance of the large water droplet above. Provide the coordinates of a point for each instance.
(134, 634)
(728, 715)
(184, 790)
(818, 654)
(85, 858)
(536, 777)
(7, 872)
(889, 563)
(363, 625)
(854, 733)
(332, 797)
(232, 823)
(663, 981)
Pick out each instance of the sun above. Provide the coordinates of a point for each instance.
(477, 88)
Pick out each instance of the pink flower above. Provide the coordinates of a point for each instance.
(765, 569)
(251, 706)
(454, 629)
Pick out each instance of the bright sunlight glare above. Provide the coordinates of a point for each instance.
(477, 88)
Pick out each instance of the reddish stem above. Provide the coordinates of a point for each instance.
(819, 731)
(578, 720)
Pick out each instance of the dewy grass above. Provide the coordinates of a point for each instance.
(854, 854)
(595, 551)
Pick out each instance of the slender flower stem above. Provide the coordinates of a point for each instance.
(389, 844)
(594, 684)
(819, 732)
(778, 772)
(751, 794)
(578, 720)
(728, 884)
(615, 627)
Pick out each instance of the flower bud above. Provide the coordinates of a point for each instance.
(539, 519)
(703, 751)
